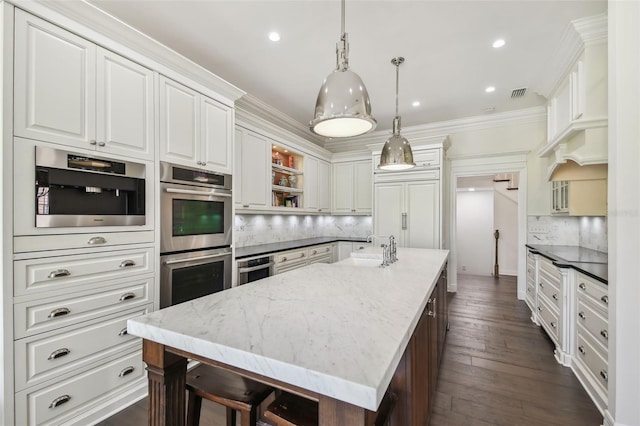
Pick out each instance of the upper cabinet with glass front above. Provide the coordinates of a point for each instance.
(72, 92)
(287, 178)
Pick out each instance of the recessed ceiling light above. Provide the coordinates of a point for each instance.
(498, 43)
(415, 103)
(490, 89)
(274, 36)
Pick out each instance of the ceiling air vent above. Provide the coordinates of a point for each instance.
(518, 93)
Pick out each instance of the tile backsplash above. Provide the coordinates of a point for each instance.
(252, 230)
(586, 231)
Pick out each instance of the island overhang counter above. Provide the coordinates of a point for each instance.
(335, 333)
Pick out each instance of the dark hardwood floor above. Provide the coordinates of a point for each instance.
(498, 368)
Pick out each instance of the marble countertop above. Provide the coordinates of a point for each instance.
(262, 249)
(590, 262)
(336, 329)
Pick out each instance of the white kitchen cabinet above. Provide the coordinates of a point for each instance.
(352, 187)
(345, 248)
(410, 211)
(71, 92)
(579, 197)
(253, 166)
(317, 184)
(195, 130)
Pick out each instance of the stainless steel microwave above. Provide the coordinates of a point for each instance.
(195, 209)
(79, 190)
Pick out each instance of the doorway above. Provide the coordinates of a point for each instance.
(468, 167)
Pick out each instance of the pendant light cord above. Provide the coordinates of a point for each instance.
(397, 84)
(343, 8)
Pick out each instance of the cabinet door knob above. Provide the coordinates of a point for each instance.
(58, 353)
(555, 297)
(605, 299)
(582, 351)
(59, 401)
(92, 142)
(582, 315)
(605, 334)
(604, 375)
(583, 287)
(123, 332)
(101, 144)
(284, 259)
(539, 309)
(553, 324)
(59, 273)
(58, 312)
(540, 284)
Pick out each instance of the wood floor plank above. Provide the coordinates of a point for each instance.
(513, 377)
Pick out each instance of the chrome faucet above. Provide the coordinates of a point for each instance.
(392, 249)
(386, 255)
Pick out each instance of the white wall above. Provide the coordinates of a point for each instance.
(505, 218)
(475, 242)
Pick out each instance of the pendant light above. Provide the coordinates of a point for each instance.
(396, 153)
(343, 108)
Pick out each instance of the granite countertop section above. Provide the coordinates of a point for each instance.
(262, 249)
(590, 262)
(336, 329)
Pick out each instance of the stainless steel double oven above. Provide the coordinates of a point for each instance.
(195, 227)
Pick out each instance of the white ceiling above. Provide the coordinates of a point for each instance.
(447, 46)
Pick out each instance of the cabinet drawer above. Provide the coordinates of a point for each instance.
(429, 158)
(594, 290)
(550, 270)
(549, 291)
(55, 403)
(320, 251)
(289, 257)
(65, 272)
(38, 316)
(593, 322)
(52, 354)
(82, 241)
(549, 320)
(327, 258)
(290, 266)
(595, 362)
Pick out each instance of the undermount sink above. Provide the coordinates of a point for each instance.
(361, 261)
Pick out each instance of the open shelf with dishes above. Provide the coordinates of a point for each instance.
(286, 178)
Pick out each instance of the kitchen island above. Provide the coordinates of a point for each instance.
(338, 334)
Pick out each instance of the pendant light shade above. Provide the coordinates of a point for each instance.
(396, 153)
(343, 108)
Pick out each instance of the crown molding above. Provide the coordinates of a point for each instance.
(257, 108)
(580, 33)
(435, 130)
(92, 23)
(267, 127)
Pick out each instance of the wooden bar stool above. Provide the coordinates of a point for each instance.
(235, 392)
(292, 410)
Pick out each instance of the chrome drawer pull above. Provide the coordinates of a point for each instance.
(58, 353)
(123, 332)
(59, 273)
(605, 334)
(302, 255)
(539, 309)
(582, 286)
(541, 285)
(126, 371)
(554, 325)
(555, 297)
(126, 263)
(59, 312)
(431, 314)
(96, 240)
(101, 144)
(314, 252)
(127, 296)
(59, 401)
(605, 299)
(284, 259)
(582, 351)
(582, 315)
(604, 375)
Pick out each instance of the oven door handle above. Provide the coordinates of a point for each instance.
(191, 259)
(217, 193)
(256, 268)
